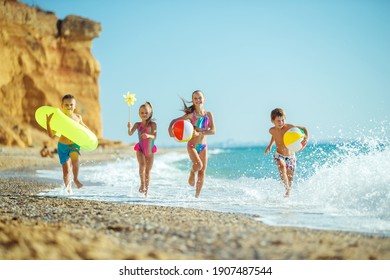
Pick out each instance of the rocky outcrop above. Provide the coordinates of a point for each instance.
(42, 59)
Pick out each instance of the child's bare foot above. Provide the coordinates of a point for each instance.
(68, 188)
(79, 185)
(191, 178)
(142, 189)
(287, 194)
(146, 191)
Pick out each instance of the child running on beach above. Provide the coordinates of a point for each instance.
(68, 152)
(284, 159)
(147, 132)
(203, 123)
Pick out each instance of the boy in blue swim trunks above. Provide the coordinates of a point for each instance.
(68, 151)
(284, 158)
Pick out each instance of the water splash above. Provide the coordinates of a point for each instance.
(339, 185)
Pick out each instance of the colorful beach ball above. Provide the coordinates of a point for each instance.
(293, 139)
(182, 130)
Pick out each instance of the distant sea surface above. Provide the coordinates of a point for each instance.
(343, 185)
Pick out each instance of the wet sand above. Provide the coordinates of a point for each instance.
(44, 228)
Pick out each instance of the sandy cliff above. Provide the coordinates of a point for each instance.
(43, 58)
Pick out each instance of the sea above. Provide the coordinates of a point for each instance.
(339, 184)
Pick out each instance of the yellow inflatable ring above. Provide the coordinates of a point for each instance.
(63, 125)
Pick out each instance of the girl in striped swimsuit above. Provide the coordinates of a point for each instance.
(203, 123)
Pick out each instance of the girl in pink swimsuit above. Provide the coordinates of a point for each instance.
(145, 148)
(203, 123)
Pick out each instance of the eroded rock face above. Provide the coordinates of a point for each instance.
(43, 58)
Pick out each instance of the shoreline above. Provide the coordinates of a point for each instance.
(43, 228)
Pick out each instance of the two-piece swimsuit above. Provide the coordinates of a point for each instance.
(146, 146)
(202, 122)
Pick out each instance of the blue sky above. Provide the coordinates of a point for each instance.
(326, 63)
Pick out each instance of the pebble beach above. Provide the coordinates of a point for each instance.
(45, 228)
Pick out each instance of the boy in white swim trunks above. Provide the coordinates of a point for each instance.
(68, 151)
(284, 158)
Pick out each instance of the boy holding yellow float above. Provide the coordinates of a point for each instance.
(68, 151)
(284, 157)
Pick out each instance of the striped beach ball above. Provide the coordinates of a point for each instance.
(182, 130)
(293, 139)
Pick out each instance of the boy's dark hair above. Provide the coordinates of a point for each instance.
(67, 96)
(278, 112)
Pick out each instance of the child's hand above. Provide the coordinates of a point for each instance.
(129, 129)
(144, 136)
(50, 132)
(305, 140)
(196, 132)
(48, 117)
(266, 151)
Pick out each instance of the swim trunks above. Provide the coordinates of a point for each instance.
(291, 161)
(64, 151)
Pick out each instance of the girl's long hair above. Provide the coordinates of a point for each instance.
(189, 109)
(148, 107)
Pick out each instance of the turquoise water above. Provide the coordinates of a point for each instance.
(339, 185)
